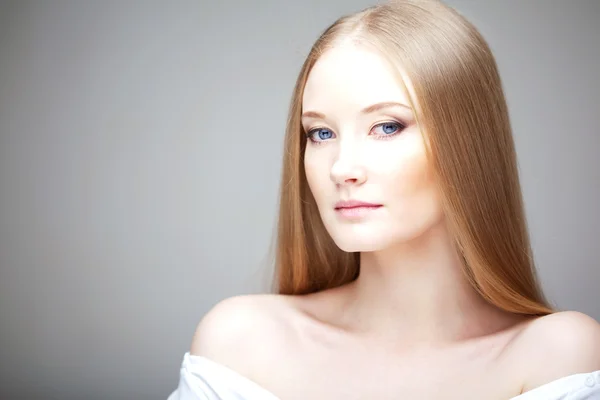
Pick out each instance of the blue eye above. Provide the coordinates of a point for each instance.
(321, 134)
(389, 128)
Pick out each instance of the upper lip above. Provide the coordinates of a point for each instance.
(354, 203)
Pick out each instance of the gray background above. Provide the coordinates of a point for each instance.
(140, 148)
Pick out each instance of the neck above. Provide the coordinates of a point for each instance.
(417, 292)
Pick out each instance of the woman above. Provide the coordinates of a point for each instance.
(404, 268)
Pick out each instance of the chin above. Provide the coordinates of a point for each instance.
(351, 242)
(365, 236)
(357, 247)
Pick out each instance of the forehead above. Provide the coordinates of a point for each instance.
(354, 75)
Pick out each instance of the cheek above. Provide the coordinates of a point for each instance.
(408, 177)
(414, 176)
(316, 173)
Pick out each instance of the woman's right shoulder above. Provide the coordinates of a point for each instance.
(245, 327)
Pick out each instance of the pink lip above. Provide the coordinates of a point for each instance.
(354, 209)
(354, 204)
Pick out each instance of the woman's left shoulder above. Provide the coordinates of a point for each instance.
(567, 332)
(560, 344)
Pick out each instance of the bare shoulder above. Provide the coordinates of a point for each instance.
(558, 345)
(242, 329)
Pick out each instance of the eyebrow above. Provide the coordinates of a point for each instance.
(367, 110)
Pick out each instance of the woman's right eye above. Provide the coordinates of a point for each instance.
(319, 134)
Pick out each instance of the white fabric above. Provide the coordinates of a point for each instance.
(204, 379)
(584, 386)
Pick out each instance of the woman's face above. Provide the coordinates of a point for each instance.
(364, 145)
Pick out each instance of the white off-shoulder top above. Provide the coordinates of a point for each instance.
(203, 379)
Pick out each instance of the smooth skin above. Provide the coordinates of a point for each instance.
(410, 326)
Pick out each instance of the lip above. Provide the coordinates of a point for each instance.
(349, 204)
(355, 209)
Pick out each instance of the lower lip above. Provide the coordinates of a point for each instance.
(356, 212)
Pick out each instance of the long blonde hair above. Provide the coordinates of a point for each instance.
(460, 108)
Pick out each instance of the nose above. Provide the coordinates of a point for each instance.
(346, 169)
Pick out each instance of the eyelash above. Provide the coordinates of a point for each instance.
(400, 125)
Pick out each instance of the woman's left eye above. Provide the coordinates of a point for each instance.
(389, 128)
